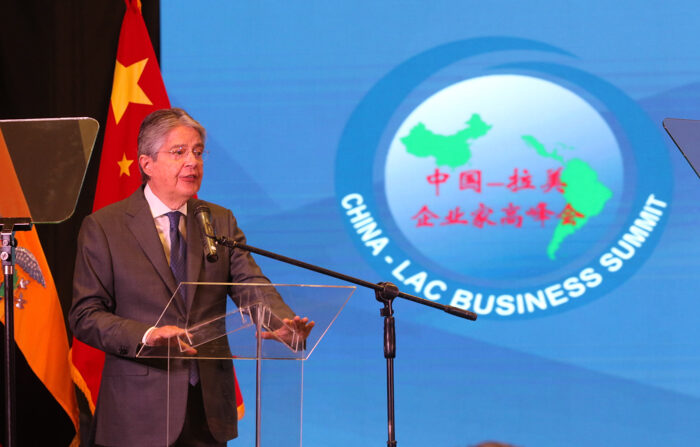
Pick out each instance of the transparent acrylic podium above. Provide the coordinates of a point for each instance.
(252, 330)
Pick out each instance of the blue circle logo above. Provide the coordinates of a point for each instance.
(514, 189)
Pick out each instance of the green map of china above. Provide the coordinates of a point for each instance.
(449, 150)
(583, 191)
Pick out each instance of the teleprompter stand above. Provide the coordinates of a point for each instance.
(385, 292)
(42, 166)
(686, 135)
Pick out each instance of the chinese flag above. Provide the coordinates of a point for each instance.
(137, 90)
(40, 332)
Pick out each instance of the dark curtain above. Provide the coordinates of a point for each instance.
(57, 60)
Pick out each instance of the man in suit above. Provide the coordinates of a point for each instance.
(131, 257)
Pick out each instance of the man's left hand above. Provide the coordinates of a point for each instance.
(301, 327)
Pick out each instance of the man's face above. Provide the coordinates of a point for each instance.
(175, 181)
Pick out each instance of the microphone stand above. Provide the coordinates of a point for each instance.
(384, 292)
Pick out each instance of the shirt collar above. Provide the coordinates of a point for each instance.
(158, 208)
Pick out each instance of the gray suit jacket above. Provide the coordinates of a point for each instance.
(121, 285)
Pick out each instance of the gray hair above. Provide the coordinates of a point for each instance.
(156, 126)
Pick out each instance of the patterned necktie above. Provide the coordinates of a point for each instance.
(178, 250)
(178, 264)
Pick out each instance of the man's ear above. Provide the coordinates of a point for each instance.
(146, 164)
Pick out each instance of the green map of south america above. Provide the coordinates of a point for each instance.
(583, 191)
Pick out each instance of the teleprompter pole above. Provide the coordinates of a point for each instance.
(385, 292)
(8, 226)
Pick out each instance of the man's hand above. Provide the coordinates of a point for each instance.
(297, 326)
(160, 336)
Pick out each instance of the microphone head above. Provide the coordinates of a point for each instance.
(203, 215)
(200, 207)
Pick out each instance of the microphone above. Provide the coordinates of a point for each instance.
(203, 215)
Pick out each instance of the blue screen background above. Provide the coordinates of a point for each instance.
(275, 84)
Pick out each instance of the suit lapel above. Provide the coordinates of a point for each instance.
(140, 223)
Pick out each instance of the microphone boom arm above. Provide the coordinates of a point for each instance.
(376, 287)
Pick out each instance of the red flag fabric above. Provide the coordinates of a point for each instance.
(137, 90)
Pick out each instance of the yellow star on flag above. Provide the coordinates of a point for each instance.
(126, 87)
(124, 165)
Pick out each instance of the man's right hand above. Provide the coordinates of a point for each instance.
(159, 337)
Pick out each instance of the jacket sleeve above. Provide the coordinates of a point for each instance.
(92, 315)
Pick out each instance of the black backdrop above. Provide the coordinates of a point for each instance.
(56, 60)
